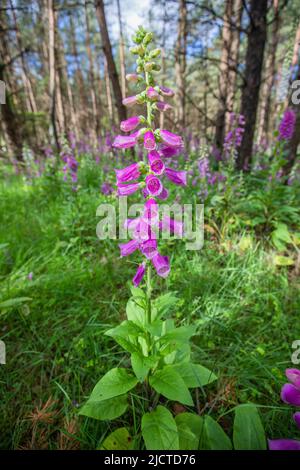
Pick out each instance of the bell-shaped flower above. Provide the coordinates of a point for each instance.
(161, 264)
(157, 166)
(140, 272)
(177, 177)
(170, 139)
(130, 124)
(124, 141)
(129, 247)
(127, 189)
(149, 140)
(131, 172)
(152, 94)
(130, 101)
(166, 91)
(153, 185)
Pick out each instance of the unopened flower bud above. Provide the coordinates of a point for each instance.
(148, 66)
(132, 77)
(147, 39)
(155, 53)
(156, 67)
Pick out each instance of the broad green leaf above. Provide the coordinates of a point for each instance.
(248, 431)
(116, 382)
(215, 436)
(135, 312)
(105, 409)
(180, 334)
(119, 439)
(195, 375)
(164, 303)
(125, 329)
(169, 383)
(190, 431)
(141, 365)
(159, 430)
(138, 293)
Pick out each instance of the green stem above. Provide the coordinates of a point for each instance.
(148, 293)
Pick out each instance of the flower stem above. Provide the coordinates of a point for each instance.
(148, 293)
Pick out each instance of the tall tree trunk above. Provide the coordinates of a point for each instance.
(52, 79)
(108, 92)
(122, 51)
(112, 70)
(266, 92)
(31, 107)
(180, 61)
(233, 60)
(224, 74)
(10, 122)
(91, 73)
(254, 59)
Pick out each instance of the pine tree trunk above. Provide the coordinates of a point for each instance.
(122, 51)
(266, 92)
(254, 59)
(52, 79)
(224, 74)
(233, 61)
(91, 74)
(111, 66)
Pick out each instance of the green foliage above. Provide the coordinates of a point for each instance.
(119, 439)
(248, 431)
(159, 430)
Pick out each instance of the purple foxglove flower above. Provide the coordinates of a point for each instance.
(149, 140)
(242, 120)
(296, 417)
(154, 185)
(162, 106)
(149, 248)
(290, 394)
(177, 177)
(30, 276)
(131, 172)
(172, 140)
(161, 264)
(132, 77)
(128, 247)
(156, 163)
(294, 376)
(152, 94)
(151, 212)
(163, 195)
(171, 225)
(127, 189)
(166, 91)
(139, 274)
(130, 101)
(74, 178)
(130, 124)
(124, 141)
(168, 152)
(284, 444)
(287, 125)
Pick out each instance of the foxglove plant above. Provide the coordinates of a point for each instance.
(160, 351)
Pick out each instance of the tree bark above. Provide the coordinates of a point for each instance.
(266, 92)
(121, 51)
(224, 74)
(52, 79)
(91, 74)
(233, 61)
(254, 59)
(180, 62)
(111, 66)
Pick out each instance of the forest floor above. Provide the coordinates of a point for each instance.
(61, 288)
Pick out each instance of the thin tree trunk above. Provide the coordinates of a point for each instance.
(180, 61)
(108, 92)
(224, 74)
(111, 66)
(91, 73)
(163, 58)
(52, 80)
(233, 61)
(266, 92)
(122, 52)
(254, 59)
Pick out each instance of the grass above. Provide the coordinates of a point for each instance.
(247, 311)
